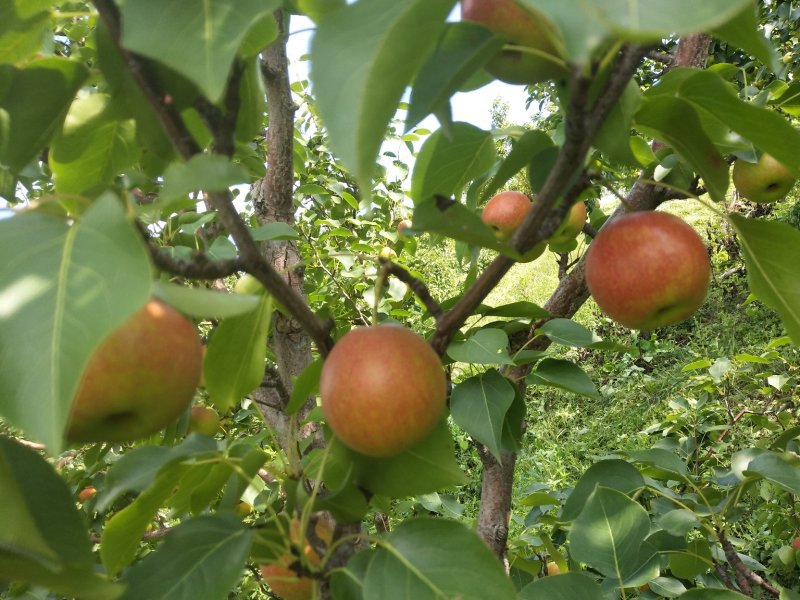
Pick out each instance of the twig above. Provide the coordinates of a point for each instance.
(420, 289)
(337, 283)
(257, 266)
(252, 259)
(743, 575)
(198, 267)
(222, 123)
(148, 535)
(168, 115)
(582, 124)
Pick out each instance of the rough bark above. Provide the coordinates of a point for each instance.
(566, 299)
(272, 198)
(496, 489)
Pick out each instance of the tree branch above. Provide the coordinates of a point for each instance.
(167, 114)
(251, 259)
(582, 124)
(418, 287)
(199, 267)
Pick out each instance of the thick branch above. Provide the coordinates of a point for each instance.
(742, 574)
(168, 115)
(199, 267)
(565, 301)
(222, 202)
(583, 121)
(420, 289)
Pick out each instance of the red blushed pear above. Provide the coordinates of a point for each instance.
(521, 27)
(647, 270)
(382, 389)
(140, 379)
(403, 228)
(87, 493)
(764, 181)
(506, 211)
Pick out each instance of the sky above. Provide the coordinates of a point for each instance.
(473, 107)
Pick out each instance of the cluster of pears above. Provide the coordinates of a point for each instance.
(645, 270)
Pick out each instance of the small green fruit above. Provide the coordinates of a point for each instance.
(204, 420)
(248, 284)
(764, 181)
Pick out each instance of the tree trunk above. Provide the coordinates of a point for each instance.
(568, 297)
(272, 198)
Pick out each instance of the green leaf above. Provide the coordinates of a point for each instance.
(743, 31)
(274, 231)
(772, 255)
(567, 586)
(678, 522)
(713, 594)
(138, 468)
(40, 521)
(207, 172)
(347, 582)
(204, 303)
(525, 148)
(527, 310)
(124, 88)
(123, 533)
(675, 121)
(666, 463)
(96, 144)
(417, 561)
(479, 405)
(253, 104)
(766, 128)
(782, 470)
(463, 48)
(446, 163)
(614, 137)
(614, 474)
(59, 299)
(638, 20)
(23, 29)
(609, 533)
(427, 467)
(305, 386)
(696, 559)
(43, 539)
(564, 375)
(194, 486)
(362, 58)
(485, 347)
(70, 582)
(197, 38)
(234, 364)
(201, 558)
(669, 587)
(567, 333)
(36, 99)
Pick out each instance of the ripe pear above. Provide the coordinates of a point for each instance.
(382, 389)
(647, 270)
(139, 380)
